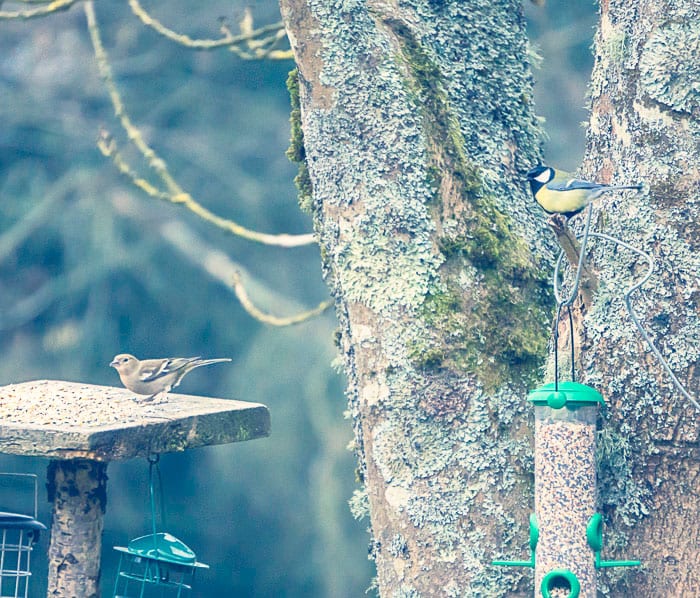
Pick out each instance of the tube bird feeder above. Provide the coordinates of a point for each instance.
(566, 536)
(565, 486)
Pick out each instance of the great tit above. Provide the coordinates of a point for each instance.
(560, 193)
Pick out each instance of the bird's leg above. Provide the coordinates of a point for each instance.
(147, 399)
(162, 397)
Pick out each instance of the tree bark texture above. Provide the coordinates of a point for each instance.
(645, 125)
(417, 130)
(78, 491)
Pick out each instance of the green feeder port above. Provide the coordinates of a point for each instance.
(594, 535)
(560, 579)
(534, 537)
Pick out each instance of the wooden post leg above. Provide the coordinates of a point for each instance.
(78, 490)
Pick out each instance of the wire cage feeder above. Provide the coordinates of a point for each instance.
(19, 533)
(157, 564)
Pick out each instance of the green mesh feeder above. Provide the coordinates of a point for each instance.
(157, 564)
(18, 535)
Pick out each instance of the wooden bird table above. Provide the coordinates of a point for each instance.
(81, 428)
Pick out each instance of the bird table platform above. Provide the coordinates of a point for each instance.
(81, 427)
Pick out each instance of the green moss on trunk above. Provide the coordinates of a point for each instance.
(507, 319)
(296, 152)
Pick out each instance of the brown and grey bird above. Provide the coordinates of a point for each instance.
(152, 377)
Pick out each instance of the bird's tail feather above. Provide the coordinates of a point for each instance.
(616, 187)
(202, 362)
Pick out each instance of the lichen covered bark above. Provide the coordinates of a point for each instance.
(77, 489)
(645, 126)
(418, 126)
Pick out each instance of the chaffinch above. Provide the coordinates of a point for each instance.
(152, 377)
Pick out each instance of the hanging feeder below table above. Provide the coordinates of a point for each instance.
(156, 564)
(158, 560)
(18, 535)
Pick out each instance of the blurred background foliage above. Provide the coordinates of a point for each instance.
(86, 272)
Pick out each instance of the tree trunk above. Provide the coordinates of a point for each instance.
(645, 125)
(417, 130)
(77, 489)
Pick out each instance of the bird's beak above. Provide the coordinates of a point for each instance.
(113, 364)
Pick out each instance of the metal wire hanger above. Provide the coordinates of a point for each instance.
(627, 299)
(568, 302)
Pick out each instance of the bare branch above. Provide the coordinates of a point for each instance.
(228, 272)
(249, 306)
(252, 38)
(108, 146)
(42, 11)
(173, 192)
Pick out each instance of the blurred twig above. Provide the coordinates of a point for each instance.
(173, 192)
(231, 274)
(259, 45)
(245, 301)
(108, 146)
(42, 11)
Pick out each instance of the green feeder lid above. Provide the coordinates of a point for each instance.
(163, 547)
(566, 393)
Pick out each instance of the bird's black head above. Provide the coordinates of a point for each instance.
(539, 176)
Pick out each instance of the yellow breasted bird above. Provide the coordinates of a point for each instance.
(559, 192)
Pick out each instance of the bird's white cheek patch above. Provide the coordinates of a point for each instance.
(543, 177)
